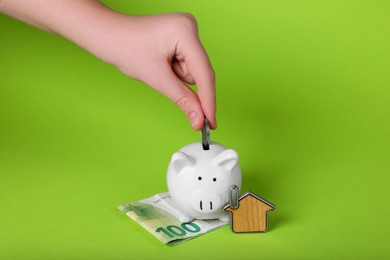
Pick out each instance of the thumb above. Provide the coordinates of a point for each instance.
(191, 107)
(167, 83)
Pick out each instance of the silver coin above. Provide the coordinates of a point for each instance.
(206, 135)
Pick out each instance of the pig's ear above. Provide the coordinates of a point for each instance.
(227, 159)
(181, 160)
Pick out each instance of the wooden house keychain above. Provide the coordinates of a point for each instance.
(249, 212)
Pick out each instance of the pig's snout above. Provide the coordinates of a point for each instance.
(206, 202)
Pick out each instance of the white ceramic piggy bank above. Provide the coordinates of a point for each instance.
(199, 181)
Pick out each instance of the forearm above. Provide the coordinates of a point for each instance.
(54, 15)
(69, 18)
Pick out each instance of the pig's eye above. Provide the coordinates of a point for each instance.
(199, 178)
(214, 179)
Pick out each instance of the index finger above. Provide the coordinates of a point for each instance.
(199, 66)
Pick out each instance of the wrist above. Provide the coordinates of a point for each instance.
(79, 20)
(88, 24)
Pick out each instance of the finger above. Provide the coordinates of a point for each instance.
(200, 68)
(166, 82)
(181, 70)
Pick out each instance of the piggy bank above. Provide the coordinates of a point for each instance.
(199, 181)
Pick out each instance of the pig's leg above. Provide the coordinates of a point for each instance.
(180, 216)
(225, 217)
(184, 218)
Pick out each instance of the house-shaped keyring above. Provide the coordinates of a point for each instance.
(249, 213)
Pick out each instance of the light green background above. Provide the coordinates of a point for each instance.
(303, 96)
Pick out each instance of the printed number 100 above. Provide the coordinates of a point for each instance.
(173, 230)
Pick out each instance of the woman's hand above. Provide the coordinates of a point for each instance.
(164, 51)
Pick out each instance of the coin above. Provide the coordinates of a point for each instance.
(206, 135)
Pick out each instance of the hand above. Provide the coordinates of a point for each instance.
(164, 51)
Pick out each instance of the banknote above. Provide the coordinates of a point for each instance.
(157, 215)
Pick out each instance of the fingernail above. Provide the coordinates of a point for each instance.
(194, 118)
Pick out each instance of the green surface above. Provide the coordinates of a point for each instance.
(303, 96)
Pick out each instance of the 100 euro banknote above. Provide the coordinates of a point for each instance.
(157, 215)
